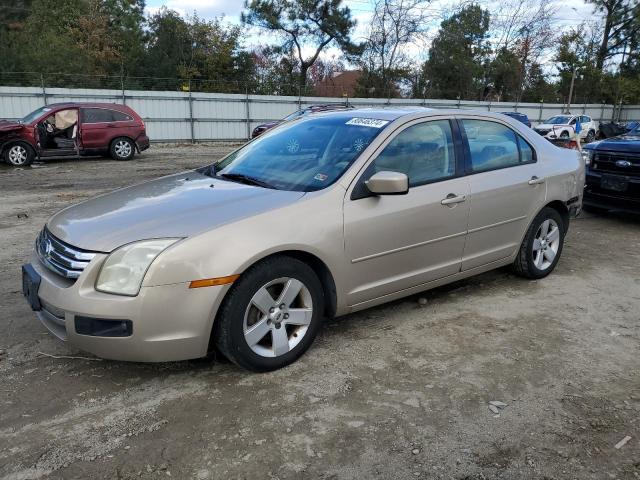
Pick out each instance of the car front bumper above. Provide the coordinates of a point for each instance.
(168, 322)
(596, 196)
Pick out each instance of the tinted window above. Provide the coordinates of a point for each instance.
(585, 119)
(96, 115)
(305, 154)
(491, 145)
(424, 152)
(526, 152)
(119, 116)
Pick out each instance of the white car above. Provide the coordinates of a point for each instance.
(563, 126)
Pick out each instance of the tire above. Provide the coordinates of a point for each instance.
(122, 148)
(264, 338)
(591, 136)
(19, 154)
(564, 134)
(533, 259)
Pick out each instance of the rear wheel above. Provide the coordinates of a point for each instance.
(122, 149)
(542, 245)
(591, 136)
(19, 154)
(271, 315)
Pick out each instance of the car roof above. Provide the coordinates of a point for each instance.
(114, 106)
(394, 113)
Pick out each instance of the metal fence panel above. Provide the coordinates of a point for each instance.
(182, 116)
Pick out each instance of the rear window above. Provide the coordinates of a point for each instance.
(96, 115)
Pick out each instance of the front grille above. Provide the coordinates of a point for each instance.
(542, 131)
(622, 163)
(60, 257)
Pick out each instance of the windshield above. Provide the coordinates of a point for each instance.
(558, 120)
(35, 114)
(306, 155)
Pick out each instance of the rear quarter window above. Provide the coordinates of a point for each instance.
(120, 117)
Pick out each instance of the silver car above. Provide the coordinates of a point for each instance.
(322, 216)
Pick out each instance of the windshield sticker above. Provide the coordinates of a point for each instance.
(321, 177)
(367, 122)
(358, 144)
(293, 146)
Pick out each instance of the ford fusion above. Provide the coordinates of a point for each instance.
(326, 215)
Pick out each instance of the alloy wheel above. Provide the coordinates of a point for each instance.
(17, 155)
(545, 244)
(122, 148)
(278, 317)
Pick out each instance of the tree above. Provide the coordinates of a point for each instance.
(459, 54)
(621, 22)
(47, 41)
(304, 23)
(395, 24)
(12, 23)
(197, 50)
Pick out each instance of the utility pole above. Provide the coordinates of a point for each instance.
(573, 79)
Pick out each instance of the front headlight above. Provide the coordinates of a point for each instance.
(124, 269)
(587, 156)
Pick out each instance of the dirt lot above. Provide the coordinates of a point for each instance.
(398, 391)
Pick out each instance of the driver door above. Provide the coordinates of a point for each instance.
(395, 242)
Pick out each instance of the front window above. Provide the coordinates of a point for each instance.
(306, 155)
(559, 120)
(424, 152)
(35, 115)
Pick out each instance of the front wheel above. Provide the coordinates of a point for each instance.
(271, 315)
(19, 154)
(122, 149)
(542, 245)
(564, 135)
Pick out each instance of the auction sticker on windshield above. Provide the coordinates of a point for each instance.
(367, 122)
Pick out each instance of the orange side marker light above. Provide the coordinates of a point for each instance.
(213, 282)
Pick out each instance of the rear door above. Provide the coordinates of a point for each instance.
(95, 130)
(506, 189)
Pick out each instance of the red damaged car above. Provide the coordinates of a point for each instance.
(73, 130)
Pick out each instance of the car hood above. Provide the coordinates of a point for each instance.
(8, 126)
(179, 205)
(622, 143)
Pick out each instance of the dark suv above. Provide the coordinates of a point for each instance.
(260, 129)
(613, 173)
(73, 130)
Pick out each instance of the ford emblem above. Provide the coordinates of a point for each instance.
(623, 163)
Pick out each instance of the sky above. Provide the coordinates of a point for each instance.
(568, 13)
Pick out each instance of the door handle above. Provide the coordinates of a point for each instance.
(536, 181)
(452, 198)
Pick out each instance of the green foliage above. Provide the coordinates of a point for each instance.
(313, 23)
(458, 56)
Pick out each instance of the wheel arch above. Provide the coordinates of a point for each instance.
(562, 210)
(320, 268)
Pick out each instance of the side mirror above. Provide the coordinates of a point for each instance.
(388, 183)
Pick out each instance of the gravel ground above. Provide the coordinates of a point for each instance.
(397, 391)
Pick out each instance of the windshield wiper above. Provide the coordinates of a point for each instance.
(247, 180)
